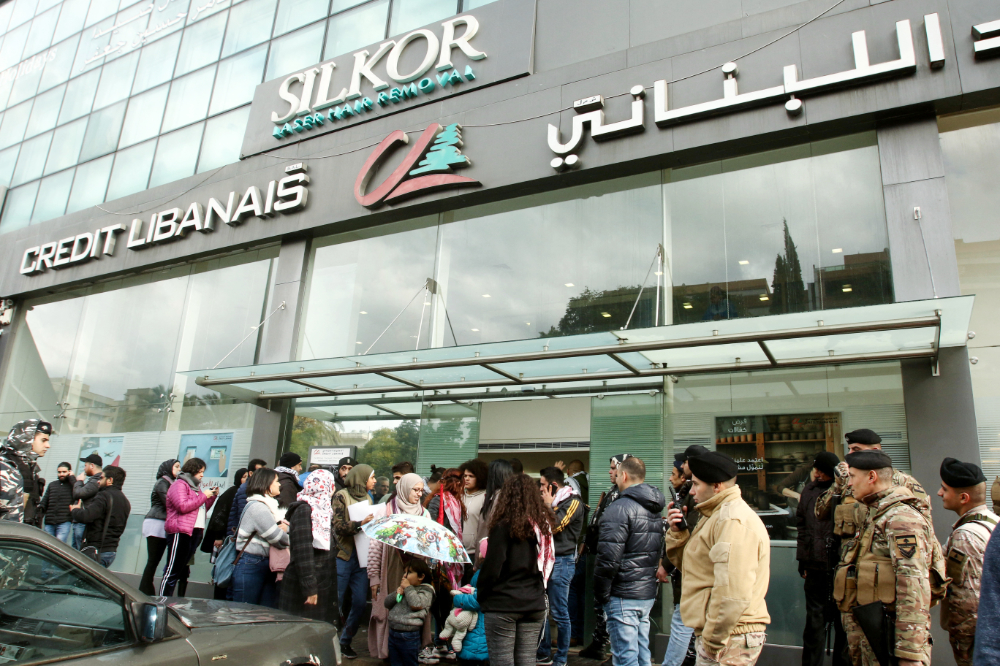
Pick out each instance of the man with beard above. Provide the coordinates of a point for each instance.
(20, 493)
(55, 504)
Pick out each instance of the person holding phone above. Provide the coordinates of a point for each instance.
(187, 511)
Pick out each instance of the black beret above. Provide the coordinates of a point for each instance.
(826, 462)
(868, 460)
(44, 427)
(678, 460)
(713, 467)
(863, 436)
(347, 461)
(694, 450)
(958, 474)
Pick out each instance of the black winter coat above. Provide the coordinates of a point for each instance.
(310, 570)
(95, 513)
(594, 527)
(815, 536)
(290, 488)
(158, 498)
(56, 500)
(509, 580)
(629, 547)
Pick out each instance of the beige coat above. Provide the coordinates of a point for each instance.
(726, 569)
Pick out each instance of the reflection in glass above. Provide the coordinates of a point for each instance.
(15, 120)
(79, 96)
(8, 158)
(45, 111)
(53, 192)
(66, 146)
(100, 9)
(23, 11)
(410, 14)
(249, 24)
(102, 132)
(24, 87)
(13, 45)
(156, 63)
(201, 44)
(238, 78)
(17, 209)
(71, 17)
(296, 51)
(296, 13)
(176, 155)
(142, 120)
(32, 160)
(359, 27)
(116, 80)
(57, 70)
(40, 35)
(131, 170)
(89, 184)
(341, 5)
(188, 100)
(223, 139)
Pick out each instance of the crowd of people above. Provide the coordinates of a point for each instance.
(871, 564)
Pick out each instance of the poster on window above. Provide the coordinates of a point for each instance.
(216, 449)
(109, 448)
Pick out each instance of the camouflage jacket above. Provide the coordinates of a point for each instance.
(891, 559)
(964, 561)
(11, 492)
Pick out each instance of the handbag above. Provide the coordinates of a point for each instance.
(225, 561)
(94, 552)
(278, 559)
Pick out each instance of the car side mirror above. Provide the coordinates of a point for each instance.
(150, 620)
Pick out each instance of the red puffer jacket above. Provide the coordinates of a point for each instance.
(183, 503)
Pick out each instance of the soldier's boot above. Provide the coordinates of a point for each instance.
(691, 656)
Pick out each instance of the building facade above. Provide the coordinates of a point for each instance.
(550, 229)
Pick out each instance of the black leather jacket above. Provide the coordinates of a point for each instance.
(816, 548)
(158, 498)
(629, 547)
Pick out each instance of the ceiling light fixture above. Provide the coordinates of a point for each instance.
(744, 262)
(486, 295)
(605, 314)
(658, 273)
(688, 306)
(764, 297)
(838, 250)
(475, 330)
(569, 284)
(363, 312)
(847, 288)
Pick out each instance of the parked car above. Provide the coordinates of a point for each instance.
(58, 606)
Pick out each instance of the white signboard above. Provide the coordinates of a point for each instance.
(321, 455)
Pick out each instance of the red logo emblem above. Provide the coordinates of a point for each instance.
(427, 168)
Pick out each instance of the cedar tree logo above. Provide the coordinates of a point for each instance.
(434, 171)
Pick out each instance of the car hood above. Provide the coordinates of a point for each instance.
(195, 613)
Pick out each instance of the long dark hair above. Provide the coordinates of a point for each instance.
(499, 471)
(519, 506)
(451, 482)
(261, 481)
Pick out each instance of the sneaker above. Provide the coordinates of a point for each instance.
(544, 661)
(428, 656)
(451, 655)
(595, 651)
(348, 651)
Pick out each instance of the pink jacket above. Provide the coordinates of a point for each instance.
(182, 507)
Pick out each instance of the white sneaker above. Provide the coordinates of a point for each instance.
(428, 656)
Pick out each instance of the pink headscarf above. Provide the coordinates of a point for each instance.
(318, 493)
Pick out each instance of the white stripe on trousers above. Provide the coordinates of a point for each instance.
(170, 564)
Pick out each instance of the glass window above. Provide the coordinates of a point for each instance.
(176, 155)
(142, 121)
(5, 88)
(53, 192)
(32, 160)
(223, 139)
(341, 5)
(156, 63)
(295, 13)
(116, 80)
(44, 5)
(71, 16)
(23, 11)
(102, 132)
(296, 51)
(13, 46)
(57, 70)
(66, 146)
(31, 599)
(411, 14)
(5, 11)
(25, 86)
(40, 35)
(100, 9)
(79, 96)
(352, 30)
(474, 4)
(188, 99)
(15, 121)
(134, 24)
(131, 170)
(90, 183)
(44, 112)
(201, 44)
(93, 42)
(8, 158)
(250, 23)
(237, 79)
(17, 210)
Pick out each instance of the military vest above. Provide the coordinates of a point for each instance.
(980, 524)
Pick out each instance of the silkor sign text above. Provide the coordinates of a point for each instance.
(284, 195)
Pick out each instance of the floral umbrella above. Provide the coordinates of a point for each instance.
(418, 535)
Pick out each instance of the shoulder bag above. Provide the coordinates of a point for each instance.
(225, 561)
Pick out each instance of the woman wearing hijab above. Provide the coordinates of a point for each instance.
(350, 574)
(308, 581)
(387, 564)
(153, 525)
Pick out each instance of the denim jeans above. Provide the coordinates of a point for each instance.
(107, 559)
(558, 591)
(351, 575)
(680, 637)
(61, 531)
(254, 582)
(404, 646)
(512, 638)
(78, 530)
(628, 625)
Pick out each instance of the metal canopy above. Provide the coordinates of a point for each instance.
(916, 329)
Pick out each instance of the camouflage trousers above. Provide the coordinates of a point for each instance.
(962, 647)
(860, 651)
(741, 650)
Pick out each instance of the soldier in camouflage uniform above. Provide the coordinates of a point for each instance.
(963, 490)
(19, 492)
(889, 562)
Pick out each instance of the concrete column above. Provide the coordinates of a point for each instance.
(279, 344)
(913, 177)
